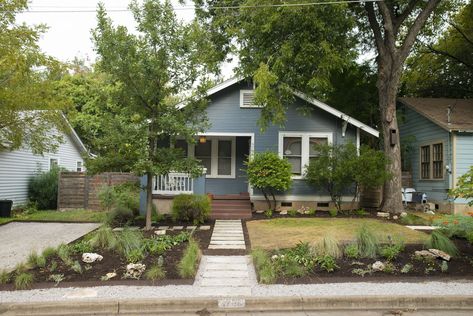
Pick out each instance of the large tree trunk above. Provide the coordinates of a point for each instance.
(388, 79)
(149, 200)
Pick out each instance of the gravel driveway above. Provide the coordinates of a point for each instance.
(17, 239)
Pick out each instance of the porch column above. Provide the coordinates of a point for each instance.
(199, 185)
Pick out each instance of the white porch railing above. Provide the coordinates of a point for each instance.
(173, 183)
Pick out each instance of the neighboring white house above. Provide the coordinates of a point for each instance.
(17, 167)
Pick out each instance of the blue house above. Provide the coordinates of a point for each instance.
(437, 139)
(234, 135)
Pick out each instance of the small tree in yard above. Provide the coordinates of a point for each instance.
(342, 171)
(464, 187)
(269, 173)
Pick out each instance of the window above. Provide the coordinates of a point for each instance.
(431, 161)
(425, 162)
(79, 166)
(437, 160)
(203, 152)
(298, 148)
(53, 162)
(224, 158)
(182, 144)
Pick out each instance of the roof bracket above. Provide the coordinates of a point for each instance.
(344, 127)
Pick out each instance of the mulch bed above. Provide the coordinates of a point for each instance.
(460, 267)
(115, 263)
(318, 214)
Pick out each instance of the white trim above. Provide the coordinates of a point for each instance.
(305, 138)
(53, 157)
(242, 106)
(225, 84)
(302, 198)
(214, 156)
(74, 135)
(358, 141)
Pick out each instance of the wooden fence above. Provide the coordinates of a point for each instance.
(371, 197)
(77, 190)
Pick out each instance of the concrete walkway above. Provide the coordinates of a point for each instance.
(227, 234)
(19, 239)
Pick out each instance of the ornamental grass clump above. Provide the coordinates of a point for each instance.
(351, 251)
(23, 280)
(4, 277)
(155, 272)
(437, 240)
(367, 242)
(264, 267)
(189, 263)
(128, 241)
(104, 238)
(328, 246)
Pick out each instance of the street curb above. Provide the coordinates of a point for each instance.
(377, 305)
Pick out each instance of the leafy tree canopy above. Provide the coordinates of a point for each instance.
(29, 99)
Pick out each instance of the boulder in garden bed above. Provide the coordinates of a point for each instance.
(440, 254)
(134, 270)
(378, 266)
(88, 257)
(424, 254)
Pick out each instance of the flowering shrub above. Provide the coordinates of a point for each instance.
(456, 225)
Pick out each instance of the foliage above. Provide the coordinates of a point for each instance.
(155, 272)
(328, 246)
(81, 247)
(23, 280)
(268, 213)
(389, 267)
(49, 252)
(157, 245)
(120, 216)
(327, 263)
(391, 251)
(437, 240)
(361, 272)
(191, 208)
(104, 238)
(292, 212)
(269, 173)
(341, 171)
(135, 255)
(294, 262)
(407, 268)
(76, 267)
(57, 278)
(187, 267)
(311, 211)
(367, 242)
(444, 266)
(64, 253)
(152, 68)
(444, 67)
(361, 212)
(4, 276)
(126, 195)
(455, 225)
(333, 212)
(464, 187)
(129, 240)
(30, 112)
(34, 260)
(413, 219)
(53, 266)
(264, 267)
(351, 251)
(43, 188)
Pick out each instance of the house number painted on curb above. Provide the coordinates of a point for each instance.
(231, 303)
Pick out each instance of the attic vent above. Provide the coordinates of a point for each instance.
(247, 99)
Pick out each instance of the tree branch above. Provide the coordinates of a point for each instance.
(378, 37)
(389, 35)
(415, 29)
(449, 55)
(403, 16)
(457, 28)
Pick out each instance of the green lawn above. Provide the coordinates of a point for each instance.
(57, 216)
(287, 232)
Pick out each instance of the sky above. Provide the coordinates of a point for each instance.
(69, 33)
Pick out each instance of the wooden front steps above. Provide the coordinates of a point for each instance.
(236, 206)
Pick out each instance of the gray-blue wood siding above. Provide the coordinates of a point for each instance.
(415, 131)
(464, 156)
(226, 116)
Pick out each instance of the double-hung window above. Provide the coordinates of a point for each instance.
(431, 161)
(300, 147)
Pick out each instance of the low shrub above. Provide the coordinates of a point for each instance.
(413, 219)
(23, 281)
(120, 216)
(135, 255)
(367, 242)
(263, 266)
(328, 246)
(469, 237)
(351, 251)
(327, 263)
(311, 211)
(155, 272)
(456, 226)
(125, 195)
(268, 213)
(390, 252)
(191, 208)
(292, 212)
(81, 247)
(438, 240)
(333, 212)
(361, 212)
(42, 189)
(189, 263)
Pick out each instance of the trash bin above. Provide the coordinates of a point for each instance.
(417, 197)
(5, 208)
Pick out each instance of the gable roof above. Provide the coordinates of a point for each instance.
(436, 110)
(75, 137)
(303, 96)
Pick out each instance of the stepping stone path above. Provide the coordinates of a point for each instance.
(413, 227)
(227, 234)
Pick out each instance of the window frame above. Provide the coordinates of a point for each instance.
(305, 146)
(81, 166)
(431, 144)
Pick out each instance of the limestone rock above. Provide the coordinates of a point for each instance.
(283, 212)
(88, 257)
(378, 266)
(160, 232)
(403, 214)
(108, 276)
(382, 214)
(430, 212)
(395, 217)
(134, 270)
(424, 253)
(440, 254)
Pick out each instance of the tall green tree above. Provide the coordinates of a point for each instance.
(444, 67)
(284, 45)
(152, 69)
(29, 99)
